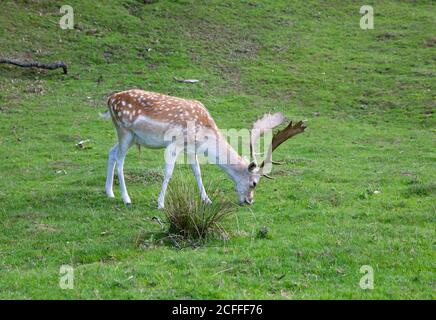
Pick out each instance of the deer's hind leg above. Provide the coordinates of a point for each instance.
(110, 171)
(117, 156)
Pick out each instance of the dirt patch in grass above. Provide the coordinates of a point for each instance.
(387, 36)
(146, 176)
(421, 189)
(42, 227)
(231, 75)
(287, 172)
(430, 43)
(245, 49)
(68, 138)
(9, 102)
(230, 48)
(331, 198)
(27, 215)
(35, 89)
(59, 165)
(113, 53)
(297, 161)
(135, 7)
(6, 107)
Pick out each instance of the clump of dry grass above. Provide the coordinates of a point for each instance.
(191, 218)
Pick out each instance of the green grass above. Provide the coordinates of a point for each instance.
(368, 97)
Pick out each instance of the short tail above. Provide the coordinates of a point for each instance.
(105, 115)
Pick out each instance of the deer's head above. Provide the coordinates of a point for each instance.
(251, 176)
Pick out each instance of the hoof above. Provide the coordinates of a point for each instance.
(207, 201)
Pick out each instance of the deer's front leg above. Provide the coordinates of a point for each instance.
(195, 166)
(168, 172)
(171, 154)
(125, 142)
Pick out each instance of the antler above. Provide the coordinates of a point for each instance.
(280, 137)
(267, 122)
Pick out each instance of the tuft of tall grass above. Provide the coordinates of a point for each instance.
(190, 217)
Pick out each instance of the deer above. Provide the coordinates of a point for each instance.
(145, 118)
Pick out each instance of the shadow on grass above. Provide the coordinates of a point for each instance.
(420, 189)
(163, 238)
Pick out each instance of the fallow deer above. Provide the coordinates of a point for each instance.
(145, 118)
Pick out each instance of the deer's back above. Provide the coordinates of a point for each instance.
(150, 114)
(132, 106)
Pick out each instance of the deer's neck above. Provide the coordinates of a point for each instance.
(229, 160)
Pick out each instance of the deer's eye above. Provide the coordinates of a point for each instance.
(254, 184)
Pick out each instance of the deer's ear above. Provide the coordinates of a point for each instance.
(252, 166)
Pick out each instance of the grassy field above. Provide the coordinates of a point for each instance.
(358, 187)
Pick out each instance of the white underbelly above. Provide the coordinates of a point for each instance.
(150, 133)
(150, 140)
